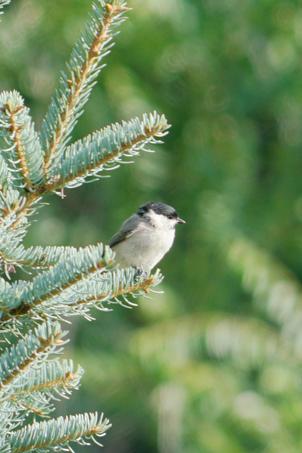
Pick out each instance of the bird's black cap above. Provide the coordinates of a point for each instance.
(160, 208)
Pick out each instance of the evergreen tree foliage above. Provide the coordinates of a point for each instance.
(59, 281)
(214, 365)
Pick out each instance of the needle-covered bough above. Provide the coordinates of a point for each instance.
(66, 281)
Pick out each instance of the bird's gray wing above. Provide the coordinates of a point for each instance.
(128, 228)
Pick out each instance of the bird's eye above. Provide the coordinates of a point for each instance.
(171, 216)
(142, 210)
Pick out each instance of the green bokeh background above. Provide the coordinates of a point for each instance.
(212, 365)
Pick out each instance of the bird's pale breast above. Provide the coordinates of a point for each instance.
(144, 248)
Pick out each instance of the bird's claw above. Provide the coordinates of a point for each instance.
(140, 274)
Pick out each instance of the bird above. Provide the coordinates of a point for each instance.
(145, 237)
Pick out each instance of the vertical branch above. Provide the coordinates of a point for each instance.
(15, 131)
(75, 88)
(23, 154)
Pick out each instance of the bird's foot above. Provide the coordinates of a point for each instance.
(140, 273)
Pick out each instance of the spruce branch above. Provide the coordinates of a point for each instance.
(100, 151)
(17, 215)
(82, 70)
(3, 3)
(39, 387)
(24, 154)
(18, 358)
(57, 434)
(86, 290)
(13, 253)
(52, 283)
(42, 257)
(105, 149)
(117, 286)
(58, 376)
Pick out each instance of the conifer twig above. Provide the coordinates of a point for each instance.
(58, 433)
(81, 79)
(15, 130)
(23, 155)
(19, 358)
(88, 292)
(106, 147)
(81, 264)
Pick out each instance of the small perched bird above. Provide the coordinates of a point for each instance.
(146, 236)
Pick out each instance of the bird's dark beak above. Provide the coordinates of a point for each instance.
(179, 220)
